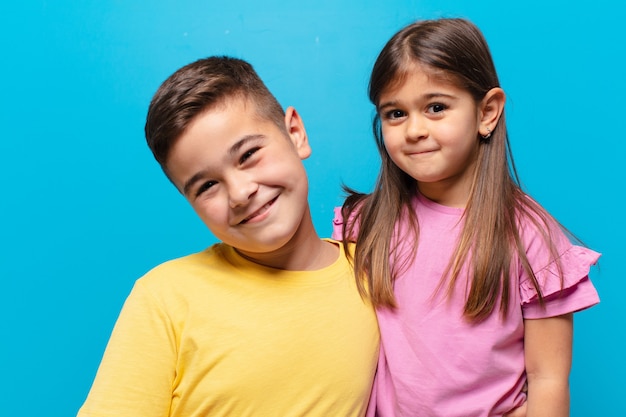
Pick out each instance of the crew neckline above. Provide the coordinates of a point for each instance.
(423, 200)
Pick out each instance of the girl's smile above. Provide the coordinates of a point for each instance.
(430, 129)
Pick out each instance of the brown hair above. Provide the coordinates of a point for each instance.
(197, 87)
(456, 50)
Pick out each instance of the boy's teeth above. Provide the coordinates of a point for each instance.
(256, 213)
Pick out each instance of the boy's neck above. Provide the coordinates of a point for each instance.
(316, 255)
(304, 252)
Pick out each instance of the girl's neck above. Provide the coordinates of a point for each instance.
(450, 195)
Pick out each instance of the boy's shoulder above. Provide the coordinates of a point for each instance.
(208, 259)
(344, 248)
(221, 262)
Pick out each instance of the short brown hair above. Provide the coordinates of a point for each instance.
(195, 88)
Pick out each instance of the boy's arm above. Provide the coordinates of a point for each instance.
(135, 377)
(548, 354)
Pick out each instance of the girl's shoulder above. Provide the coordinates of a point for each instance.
(534, 221)
(337, 232)
(349, 214)
(559, 262)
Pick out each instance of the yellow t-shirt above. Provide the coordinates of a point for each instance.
(212, 334)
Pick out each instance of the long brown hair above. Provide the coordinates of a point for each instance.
(490, 237)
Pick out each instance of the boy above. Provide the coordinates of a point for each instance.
(266, 323)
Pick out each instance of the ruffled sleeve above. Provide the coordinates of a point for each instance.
(576, 293)
(337, 224)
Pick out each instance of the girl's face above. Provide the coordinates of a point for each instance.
(431, 131)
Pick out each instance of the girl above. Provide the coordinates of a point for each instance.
(475, 283)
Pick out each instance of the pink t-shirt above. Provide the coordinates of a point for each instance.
(433, 362)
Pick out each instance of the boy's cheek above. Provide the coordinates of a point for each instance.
(210, 214)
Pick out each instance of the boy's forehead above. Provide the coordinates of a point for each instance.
(221, 129)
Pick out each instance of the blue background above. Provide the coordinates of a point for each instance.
(85, 210)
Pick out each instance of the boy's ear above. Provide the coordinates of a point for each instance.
(492, 106)
(297, 132)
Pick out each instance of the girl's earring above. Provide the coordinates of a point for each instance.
(488, 135)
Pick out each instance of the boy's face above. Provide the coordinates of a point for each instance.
(244, 176)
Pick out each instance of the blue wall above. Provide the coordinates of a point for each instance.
(85, 210)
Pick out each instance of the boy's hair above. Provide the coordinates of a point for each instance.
(198, 87)
(452, 50)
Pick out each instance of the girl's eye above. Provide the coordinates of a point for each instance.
(247, 154)
(204, 187)
(394, 114)
(436, 108)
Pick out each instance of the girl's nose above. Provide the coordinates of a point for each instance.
(416, 128)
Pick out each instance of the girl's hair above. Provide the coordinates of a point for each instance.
(455, 50)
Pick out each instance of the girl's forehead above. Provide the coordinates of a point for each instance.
(435, 75)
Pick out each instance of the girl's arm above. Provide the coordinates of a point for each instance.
(548, 354)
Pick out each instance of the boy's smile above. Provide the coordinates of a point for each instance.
(260, 214)
(244, 177)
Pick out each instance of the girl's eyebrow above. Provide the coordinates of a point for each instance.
(233, 151)
(390, 103)
(427, 96)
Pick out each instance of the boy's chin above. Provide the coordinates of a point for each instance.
(262, 250)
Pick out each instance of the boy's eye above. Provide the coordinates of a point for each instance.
(247, 154)
(204, 187)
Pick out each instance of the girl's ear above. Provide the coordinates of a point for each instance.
(297, 133)
(491, 108)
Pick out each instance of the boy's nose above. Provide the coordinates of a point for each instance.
(241, 191)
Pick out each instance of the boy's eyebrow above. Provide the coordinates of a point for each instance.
(232, 153)
(234, 150)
